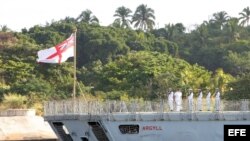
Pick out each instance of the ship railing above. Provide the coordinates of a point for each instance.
(109, 107)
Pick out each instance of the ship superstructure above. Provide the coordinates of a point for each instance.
(79, 120)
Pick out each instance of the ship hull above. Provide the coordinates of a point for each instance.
(197, 126)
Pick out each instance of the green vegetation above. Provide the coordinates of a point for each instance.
(118, 62)
(14, 101)
(123, 14)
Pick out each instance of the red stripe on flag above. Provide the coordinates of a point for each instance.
(59, 49)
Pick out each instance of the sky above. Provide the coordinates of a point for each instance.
(19, 14)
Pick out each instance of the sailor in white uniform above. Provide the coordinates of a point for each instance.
(171, 100)
(190, 100)
(178, 100)
(123, 107)
(208, 99)
(199, 101)
(217, 99)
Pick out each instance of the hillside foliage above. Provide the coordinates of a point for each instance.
(117, 61)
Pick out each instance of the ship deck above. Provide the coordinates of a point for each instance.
(142, 111)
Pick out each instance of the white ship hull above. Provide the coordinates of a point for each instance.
(143, 126)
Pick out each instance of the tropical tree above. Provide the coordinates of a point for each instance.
(221, 79)
(238, 63)
(4, 28)
(233, 29)
(69, 20)
(171, 31)
(239, 89)
(143, 18)
(148, 74)
(86, 16)
(220, 18)
(201, 34)
(174, 30)
(180, 28)
(123, 14)
(245, 16)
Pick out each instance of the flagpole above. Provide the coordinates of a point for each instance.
(75, 79)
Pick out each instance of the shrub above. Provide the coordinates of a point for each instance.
(14, 101)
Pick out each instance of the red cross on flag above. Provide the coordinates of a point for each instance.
(59, 53)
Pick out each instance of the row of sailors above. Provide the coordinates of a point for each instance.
(176, 98)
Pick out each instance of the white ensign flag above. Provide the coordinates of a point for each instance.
(59, 53)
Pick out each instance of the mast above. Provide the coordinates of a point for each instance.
(75, 79)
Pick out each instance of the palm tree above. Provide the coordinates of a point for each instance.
(220, 18)
(144, 17)
(86, 16)
(69, 20)
(233, 29)
(245, 16)
(174, 30)
(201, 33)
(123, 13)
(171, 31)
(180, 28)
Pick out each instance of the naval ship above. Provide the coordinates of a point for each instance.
(81, 120)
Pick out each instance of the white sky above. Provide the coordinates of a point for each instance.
(18, 14)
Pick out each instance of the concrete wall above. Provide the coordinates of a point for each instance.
(23, 124)
(18, 112)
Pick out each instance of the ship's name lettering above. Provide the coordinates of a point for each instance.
(149, 128)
